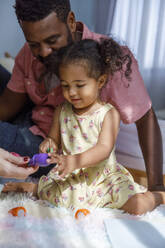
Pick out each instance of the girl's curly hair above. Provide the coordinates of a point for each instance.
(106, 56)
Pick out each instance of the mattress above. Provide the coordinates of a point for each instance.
(128, 151)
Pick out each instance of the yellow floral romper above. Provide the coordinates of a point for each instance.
(108, 184)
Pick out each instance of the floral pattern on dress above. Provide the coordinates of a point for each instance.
(107, 171)
(85, 135)
(81, 199)
(101, 124)
(64, 197)
(86, 175)
(71, 138)
(56, 200)
(48, 193)
(45, 178)
(131, 187)
(63, 131)
(81, 173)
(99, 192)
(71, 187)
(79, 149)
(66, 120)
(81, 119)
(91, 123)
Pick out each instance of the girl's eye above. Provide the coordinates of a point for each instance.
(80, 86)
(64, 86)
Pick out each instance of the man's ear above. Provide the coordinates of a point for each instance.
(71, 22)
(102, 80)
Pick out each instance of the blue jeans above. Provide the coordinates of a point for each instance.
(18, 138)
(15, 136)
(4, 78)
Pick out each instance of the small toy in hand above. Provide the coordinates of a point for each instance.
(81, 212)
(39, 159)
(18, 211)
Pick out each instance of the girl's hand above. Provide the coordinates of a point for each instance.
(48, 145)
(66, 164)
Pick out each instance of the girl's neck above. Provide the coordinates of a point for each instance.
(89, 109)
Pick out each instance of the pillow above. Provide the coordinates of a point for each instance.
(127, 141)
(160, 114)
(7, 63)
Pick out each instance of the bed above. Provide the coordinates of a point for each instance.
(46, 226)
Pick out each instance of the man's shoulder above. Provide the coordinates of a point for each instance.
(88, 34)
(25, 56)
(25, 51)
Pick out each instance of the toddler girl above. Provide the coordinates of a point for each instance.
(85, 129)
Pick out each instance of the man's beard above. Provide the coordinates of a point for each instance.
(54, 55)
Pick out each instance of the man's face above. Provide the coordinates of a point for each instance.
(47, 36)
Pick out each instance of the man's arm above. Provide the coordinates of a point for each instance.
(11, 103)
(150, 140)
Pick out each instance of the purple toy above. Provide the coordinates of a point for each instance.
(39, 159)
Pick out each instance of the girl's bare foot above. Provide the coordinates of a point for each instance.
(23, 187)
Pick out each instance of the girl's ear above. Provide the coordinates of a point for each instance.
(102, 80)
(71, 22)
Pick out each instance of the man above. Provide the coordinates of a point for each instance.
(49, 25)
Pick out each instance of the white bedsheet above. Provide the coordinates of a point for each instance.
(134, 233)
(128, 150)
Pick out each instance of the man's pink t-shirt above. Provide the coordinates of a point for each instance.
(129, 97)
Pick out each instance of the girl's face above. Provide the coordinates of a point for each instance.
(78, 88)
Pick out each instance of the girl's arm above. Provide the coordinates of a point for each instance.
(54, 131)
(52, 142)
(96, 154)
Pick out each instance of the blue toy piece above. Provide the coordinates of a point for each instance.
(39, 159)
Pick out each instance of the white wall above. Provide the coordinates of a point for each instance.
(11, 36)
(85, 11)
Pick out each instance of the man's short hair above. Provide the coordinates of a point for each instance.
(36, 10)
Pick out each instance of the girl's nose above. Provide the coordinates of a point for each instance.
(72, 91)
